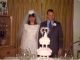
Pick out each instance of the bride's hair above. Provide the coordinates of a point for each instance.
(34, 22)
(33, 15)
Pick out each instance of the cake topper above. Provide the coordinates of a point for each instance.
(43, 30)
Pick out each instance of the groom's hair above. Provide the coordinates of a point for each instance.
(50, 10)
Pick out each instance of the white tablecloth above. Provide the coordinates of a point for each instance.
(16, 58)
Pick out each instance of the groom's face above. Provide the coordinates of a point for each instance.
(50, 15)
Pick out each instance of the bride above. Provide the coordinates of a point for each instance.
(29, 30)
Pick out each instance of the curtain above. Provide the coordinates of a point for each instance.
(63, 10)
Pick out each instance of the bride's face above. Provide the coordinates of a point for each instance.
(32, 19)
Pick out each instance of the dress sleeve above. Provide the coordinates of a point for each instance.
(39, 35)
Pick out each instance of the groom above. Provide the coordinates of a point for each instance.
(55, 34)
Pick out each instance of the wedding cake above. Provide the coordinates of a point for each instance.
(44, 51)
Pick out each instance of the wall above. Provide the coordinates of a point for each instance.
(76, 25)
(76, 20)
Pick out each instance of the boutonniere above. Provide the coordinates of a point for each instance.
(54, 24)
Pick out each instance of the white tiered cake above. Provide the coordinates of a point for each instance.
(44, 51)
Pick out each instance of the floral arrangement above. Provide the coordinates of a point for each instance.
(3, 7)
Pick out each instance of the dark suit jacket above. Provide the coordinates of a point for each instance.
(56, 37)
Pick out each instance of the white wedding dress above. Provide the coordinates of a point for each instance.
(30, 38)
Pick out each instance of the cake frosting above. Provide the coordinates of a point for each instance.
(44, 40)
(44, 51)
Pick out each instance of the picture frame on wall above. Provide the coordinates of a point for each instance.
(3, 7)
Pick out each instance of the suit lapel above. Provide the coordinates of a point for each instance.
(45, 24)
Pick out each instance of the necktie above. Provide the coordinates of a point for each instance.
(50, 25)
